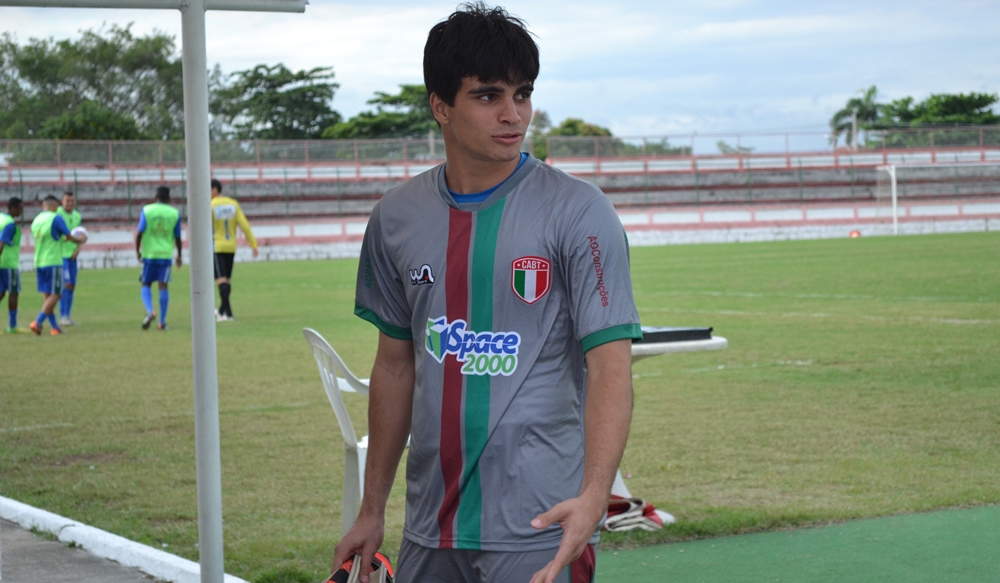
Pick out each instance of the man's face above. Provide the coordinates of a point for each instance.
(489, 120)
(68, 203)
(215, 192)
(15, 211)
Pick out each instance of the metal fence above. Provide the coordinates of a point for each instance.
(100, 153)
(767, 142)
(431, 149)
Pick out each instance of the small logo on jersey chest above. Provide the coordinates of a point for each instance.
(422, 276)
(530, 278)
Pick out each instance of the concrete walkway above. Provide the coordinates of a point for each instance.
(28, 558)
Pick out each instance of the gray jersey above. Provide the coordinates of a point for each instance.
(501, 304)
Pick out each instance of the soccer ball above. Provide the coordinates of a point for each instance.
(79, 233)
(350, 570)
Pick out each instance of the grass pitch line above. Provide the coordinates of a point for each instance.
(97, 542)
(824, 315)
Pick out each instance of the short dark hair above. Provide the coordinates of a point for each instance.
(69, 193)
(51, 199)
(162, 194)
(217, 185)
(477, 41)
(14, 202)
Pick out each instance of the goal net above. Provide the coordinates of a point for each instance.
(885, 197)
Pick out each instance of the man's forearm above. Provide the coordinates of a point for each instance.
(607, 416)
(390, 405)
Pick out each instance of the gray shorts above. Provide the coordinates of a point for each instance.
(418, 564)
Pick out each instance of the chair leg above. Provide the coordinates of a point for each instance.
(352, 491)
(619, 488)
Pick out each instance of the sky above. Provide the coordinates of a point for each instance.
(637, 67)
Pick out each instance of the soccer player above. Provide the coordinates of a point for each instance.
(226, 216)
(70, 250)
(158, 234)
(10, 260)
(48, 230)
(493, 279)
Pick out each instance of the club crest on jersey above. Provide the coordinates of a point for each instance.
(422, 276)
(481, 353)
(530, 278)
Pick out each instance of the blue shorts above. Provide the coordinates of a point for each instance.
(155, 270)
(10, 281)
(69, 271)
(50, 280)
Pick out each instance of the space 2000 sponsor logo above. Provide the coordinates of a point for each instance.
(481, 353)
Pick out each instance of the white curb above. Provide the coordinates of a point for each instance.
(151, 561)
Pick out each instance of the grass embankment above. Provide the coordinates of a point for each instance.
(861, 380)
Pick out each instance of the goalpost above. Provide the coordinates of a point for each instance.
(885, 193)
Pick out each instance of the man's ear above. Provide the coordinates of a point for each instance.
(440, 109)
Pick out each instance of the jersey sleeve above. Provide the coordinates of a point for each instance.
(177, 228)
(142, 222)
(599, 278)
(380, 297)
(7, 235)
(59, 228)
(244, 224)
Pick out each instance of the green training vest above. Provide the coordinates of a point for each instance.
(73, 221)
(48, 252)
(11, 256)
(158, 238)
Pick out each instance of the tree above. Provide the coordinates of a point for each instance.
(574, 126)
(137, 78)
(725, 148)
(867, 110)
(90, 121)
(406, 114)
(571, 126)
(537, 130)
(942, 109)
(273, 103)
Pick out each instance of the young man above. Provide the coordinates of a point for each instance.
(48, 230)
(158, 234)
(493, 279)
(226, 216)
(10, 260)
(70, 250)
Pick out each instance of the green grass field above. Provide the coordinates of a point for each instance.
(861, 380)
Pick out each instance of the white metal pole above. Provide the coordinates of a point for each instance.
(854, 129)
(895, 223)
(206, 380)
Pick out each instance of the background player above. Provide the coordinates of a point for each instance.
(226, 216)
(10, 259)
(48, 230)
(70, 250)
(483, 364)
(158, 234)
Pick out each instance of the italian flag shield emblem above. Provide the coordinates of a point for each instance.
(530, 278)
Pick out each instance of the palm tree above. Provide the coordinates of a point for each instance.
(864, 106)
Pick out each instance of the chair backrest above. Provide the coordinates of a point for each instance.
(336, 378)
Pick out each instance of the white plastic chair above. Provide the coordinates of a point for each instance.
(336, 378)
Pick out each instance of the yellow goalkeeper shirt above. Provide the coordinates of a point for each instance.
(226, 216)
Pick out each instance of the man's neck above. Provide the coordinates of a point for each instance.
(465, 176)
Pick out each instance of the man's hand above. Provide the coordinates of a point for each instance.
(255, 252)
(607, 415)
(578, 517)
(364, 539)
(138, 255)
(179, 262)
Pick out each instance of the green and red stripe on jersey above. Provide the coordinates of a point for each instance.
(472, 241)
